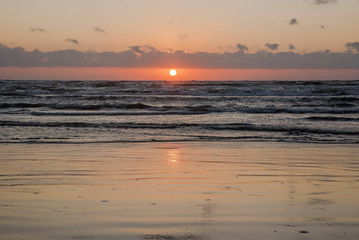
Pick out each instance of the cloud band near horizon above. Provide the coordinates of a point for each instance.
(146, 57)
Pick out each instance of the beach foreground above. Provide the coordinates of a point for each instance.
(183, 190)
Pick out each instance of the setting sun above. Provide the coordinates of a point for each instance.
(173, 72)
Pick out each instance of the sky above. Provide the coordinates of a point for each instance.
(202, 39)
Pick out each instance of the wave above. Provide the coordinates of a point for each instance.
(191, 107)
(344, 99)
(193, 138)
(332, 118)
(22, 105)
(95, 125)
(76, 106)
(193, 126)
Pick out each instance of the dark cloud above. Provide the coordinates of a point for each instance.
(293, 21)
(272, 46)
(324, 1)
(17, 56)
(142, 49)
(352, 46)
(71, 40)
(242, 48)
(147, 56)
(37, 29)
(98, 29)
(291, 47)
(136, 49)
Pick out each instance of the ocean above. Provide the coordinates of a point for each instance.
(164, 111)
(195, 160)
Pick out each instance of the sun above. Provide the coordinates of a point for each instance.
(173, 72)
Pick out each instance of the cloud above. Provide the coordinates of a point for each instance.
(352, 46)
(141, 49)
(242, 48)
(272, 46)
(136, 49)
(148, 56)
(71, 40)
(324, 1)
(291, 47)
(293, 21)
(98, 29)
(322, 26)
(37, 29)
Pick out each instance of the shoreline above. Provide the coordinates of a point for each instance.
(199, 142)
(179, 190)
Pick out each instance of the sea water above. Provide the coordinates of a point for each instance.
(147, 111)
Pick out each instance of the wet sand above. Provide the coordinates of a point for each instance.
(181, 191)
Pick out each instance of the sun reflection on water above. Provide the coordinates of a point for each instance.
(173, 158)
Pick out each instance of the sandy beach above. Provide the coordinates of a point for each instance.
(200, 190)
(179, 120)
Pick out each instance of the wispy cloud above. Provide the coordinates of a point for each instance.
(147, 56)
(293, 21)
(74, 41)
(99, 29)
(37, 29)
(272, 46)
(324, 1)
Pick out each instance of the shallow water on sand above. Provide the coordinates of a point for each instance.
(179, 191)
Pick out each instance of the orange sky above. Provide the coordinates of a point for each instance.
(207, 34)
(66, 73)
